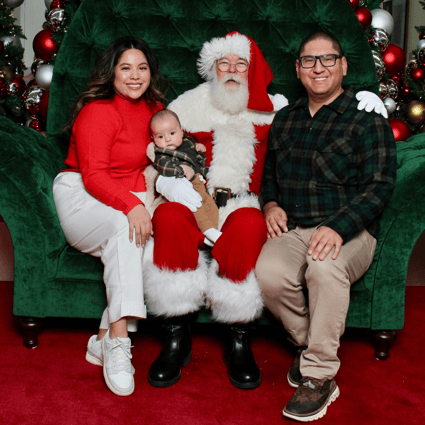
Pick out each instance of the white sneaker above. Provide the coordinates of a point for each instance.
(94, 353)
(117, 367)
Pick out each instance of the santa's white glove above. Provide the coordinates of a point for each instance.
(279, 101)
(370, 101)
(179, 190)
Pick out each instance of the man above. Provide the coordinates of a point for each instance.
(329, 173)
(231, 115)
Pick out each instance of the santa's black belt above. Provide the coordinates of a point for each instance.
(222, 194)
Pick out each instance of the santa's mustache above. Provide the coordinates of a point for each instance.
(232, 77)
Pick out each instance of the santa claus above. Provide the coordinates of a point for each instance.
(230, 114)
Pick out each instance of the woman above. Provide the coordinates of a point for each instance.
(100, 198)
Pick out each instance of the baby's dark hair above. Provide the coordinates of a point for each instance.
(163, 114)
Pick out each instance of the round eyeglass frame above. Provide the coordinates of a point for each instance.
(239, 66)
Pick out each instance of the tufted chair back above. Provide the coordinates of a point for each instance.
(177, 29)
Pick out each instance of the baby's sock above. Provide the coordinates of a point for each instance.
(211, 236)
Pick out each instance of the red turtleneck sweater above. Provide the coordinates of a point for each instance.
(108, 147)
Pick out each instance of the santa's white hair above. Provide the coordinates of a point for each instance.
(217, 48)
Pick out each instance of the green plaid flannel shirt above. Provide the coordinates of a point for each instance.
(336, 169)
(168, 161)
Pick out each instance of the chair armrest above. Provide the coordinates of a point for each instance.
(402, 223)
(28, 164)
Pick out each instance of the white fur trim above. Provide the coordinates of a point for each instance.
(279, 101)
(245, 201)
(169, 293)
(233, 302)
(217, 48)
(197, 113)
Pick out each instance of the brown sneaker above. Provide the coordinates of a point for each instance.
(294, 376)
(311, 399)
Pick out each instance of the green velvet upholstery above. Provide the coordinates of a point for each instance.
(52, 279)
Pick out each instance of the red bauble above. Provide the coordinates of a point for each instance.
(394, 58)
(353, 4)
(35, 124)
(56, 4)
(1, 47)
(400, 129)
(417, 74)
(17, 86)
(364, 16)
(43, 45)
(44, 103)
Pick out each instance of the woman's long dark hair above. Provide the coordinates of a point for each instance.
(101, 83)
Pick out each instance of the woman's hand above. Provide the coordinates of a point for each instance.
(276, 219)
(140, 224)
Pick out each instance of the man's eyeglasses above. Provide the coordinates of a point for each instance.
(224, 66)
(326, 60)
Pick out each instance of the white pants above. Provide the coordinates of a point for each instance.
(102, 231)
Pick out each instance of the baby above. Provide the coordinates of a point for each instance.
(177, 155)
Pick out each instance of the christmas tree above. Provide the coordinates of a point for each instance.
(12, 66)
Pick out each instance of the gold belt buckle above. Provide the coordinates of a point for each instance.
(221, 190)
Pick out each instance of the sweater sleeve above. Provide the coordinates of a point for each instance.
(95, 130)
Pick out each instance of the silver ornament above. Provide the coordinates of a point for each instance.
(48, 3)
(55, 18)
(390, 104)
(36, 64)
(379, 64)
(12, 3)
(421, 44)
(409, 68)
(380, 39)
(11, 40)
(392, 89)
(32, 96)
(383, 90)
(383, 20)
(29, 121)
(421, 56)
(44, 75)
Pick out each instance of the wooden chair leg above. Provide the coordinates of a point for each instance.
(383, 341)
(30, 327)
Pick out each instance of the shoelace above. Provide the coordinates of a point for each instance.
(121, 358)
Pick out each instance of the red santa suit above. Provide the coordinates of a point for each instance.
(179, 279)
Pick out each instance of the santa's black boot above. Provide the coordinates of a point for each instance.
(177, 352)
(243, 370)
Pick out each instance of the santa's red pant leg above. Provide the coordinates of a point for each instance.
(174, 282)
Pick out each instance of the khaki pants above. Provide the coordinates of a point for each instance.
(283, 269)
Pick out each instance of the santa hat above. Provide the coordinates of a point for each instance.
(259, 73)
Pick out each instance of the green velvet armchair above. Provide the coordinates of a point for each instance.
(54, 280)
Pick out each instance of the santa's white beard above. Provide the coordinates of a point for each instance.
(231, 99)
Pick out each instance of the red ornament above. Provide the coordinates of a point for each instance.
(353, 4)
(394, 58)
(400, 129)
(44, 103)
(1, 47)
(43, 45)
(56, 4)
(17, 86)
(421, 36)
(4, 88)
(364, 16)
(35, 124)
(417, 74)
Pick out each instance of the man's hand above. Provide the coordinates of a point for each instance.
(188, 171)
(276, 219)
(322, 241)
(140, 223)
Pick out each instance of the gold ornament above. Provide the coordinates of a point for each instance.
(415, 111)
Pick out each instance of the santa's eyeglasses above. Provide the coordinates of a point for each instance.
(326, 60)
(224, 66)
